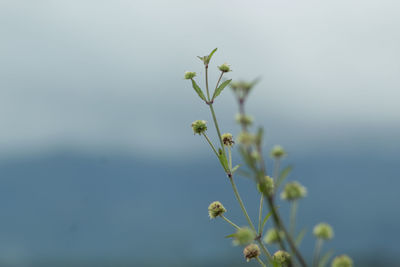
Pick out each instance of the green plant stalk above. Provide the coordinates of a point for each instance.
(260, 262)
(211, 144)
(293, 211)
(317, 251)
(260, 215)
(230, 222)
(265, 250)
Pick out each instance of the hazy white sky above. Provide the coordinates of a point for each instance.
(108, 74)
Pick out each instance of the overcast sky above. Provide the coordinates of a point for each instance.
(109, 74)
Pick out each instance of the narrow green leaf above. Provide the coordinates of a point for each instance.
(235, 168)
(325, 258)
(265, 220)
(259, 136)
(284, 174)
(198, 90)
(220, 88)
(223, 160)
(300, 237)
(210, 55)
(230, 236)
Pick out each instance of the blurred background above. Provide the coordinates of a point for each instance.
(99, 165)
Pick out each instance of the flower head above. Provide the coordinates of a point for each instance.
(216, 209)
(293, 191)
(245, 139)
(266, 185)
(190, 75)
(273, 236)
(278, 152)
(225, 67)
(244, 119)
(342, 261)
(227, 139)
(199, 126)
(251, 251)
(323, 231)
(281, 257)
(243, 236)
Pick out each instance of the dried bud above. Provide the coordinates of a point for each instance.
(281, 257)
(342, 261)
(216, 209)
(273, 236)
(225, 67)
(244, 119)
(278, 152)
(227, 139)
(244, 236)
(293, 191)
(199, 126)
(266, 185)
(251, 251)
(323, 231)
(245, 139)
(190, 75)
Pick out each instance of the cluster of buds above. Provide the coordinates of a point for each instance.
(199, 126)
(293, 191)
(190, 75)
(244, 236)
(244, 120)
(251, 251)
(227, 139)
(225, 67)
(273, 236)
(281, 257)
(323, 231)
(342, 261)
(266, 185)
(277, 152)
(216, 209)
(245, 139)
(241, 89)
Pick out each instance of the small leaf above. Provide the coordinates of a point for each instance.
(235, 168)
(300, 237)
(231, 235)
(223, 160)
(285, 172)
(324, 259)
(265, 220)
(198, 90)
(220, 88)
(210, 55)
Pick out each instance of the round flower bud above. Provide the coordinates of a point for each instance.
(189, 75)
(342, 261)
(199, 126)
(293, 191)
(281, 257)
(273, 236)
(244, 119)
(224, 67)
(216, 209)
(266, 185)
(244, 236)
(245, 139)
(251, 251)
(277, 152)
(227, 139)
(323, 231)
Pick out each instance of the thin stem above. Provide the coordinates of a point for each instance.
(239, 199)
(260, 262)
(220, 77)
(212, 146)
(293, 211)
(230, 158)
(265, 250)
(216, 126)
(230, 222)
(317, 251)
(277, 164)
(260, 215)
(208, 93)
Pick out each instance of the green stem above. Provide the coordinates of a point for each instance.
(212, 146)
(217, 127)
(230, 222)
(293, 211)
(208, 92)
(260, 262)
(317, 251)
(277, 164)
(265, 251)
(220, 77)
(260, 215)
(230, 158)
(239, 199)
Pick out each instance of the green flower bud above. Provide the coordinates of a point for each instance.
(189, 75)
(245, 139)
(278, 152)
(244, 119)
(225, 67)
(293, 191)
(266, 185)
(251, 251)
(281, 257)
(199, 127)
(323, 231)
(342, 261)
(244, 236)
(216, 209)
(241, 86)
(227, 139)
(273, 236)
